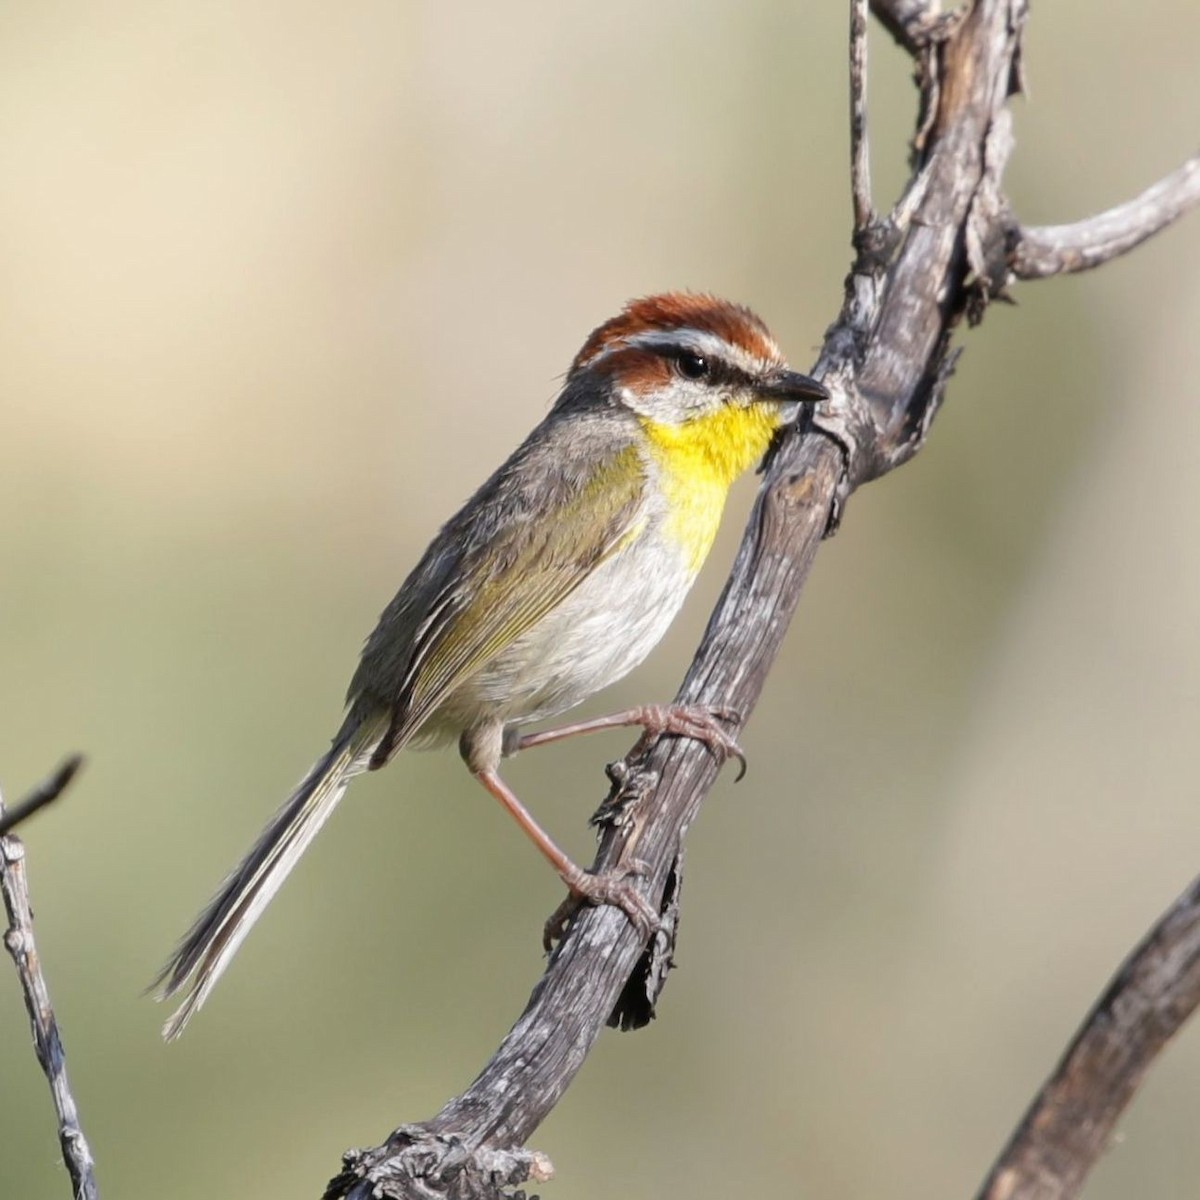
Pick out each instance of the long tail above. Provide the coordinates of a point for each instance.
(214, 938)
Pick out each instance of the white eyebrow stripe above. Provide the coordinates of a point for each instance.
(701, 341)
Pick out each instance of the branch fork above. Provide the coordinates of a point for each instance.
(948, 248)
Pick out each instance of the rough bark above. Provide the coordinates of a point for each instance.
(1071, 1121)
(19, 942)
(948, 247)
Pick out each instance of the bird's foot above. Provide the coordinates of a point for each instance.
(701, 722)
(615, 887)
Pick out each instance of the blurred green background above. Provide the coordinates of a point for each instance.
(281, 284)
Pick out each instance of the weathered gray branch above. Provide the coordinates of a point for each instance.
(18, 940)
(941, 254)
(860, 151)
(1040, 251)
(587, 976)
(1070, 1123)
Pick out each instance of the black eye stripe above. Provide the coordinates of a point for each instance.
(694, 366)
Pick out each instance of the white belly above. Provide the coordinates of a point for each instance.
(597, 635)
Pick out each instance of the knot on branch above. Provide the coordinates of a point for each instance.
(991, 229)
(851, 422)
(632, 781)
(875, 245)
(415, 1164)
(916, 25)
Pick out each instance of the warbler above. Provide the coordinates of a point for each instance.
(555, 579)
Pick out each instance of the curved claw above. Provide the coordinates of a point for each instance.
(743, 766)
(725, 712)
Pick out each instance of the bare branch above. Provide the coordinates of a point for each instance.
(860, 151)
(19, 942)
(1046, 250)
(1069, 1124)
(656, 799)
(45, 793)
(886, 361)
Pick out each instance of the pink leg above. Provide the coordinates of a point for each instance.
(610, 887)
(678, 720)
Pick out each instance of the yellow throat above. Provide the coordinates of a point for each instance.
(700, 460)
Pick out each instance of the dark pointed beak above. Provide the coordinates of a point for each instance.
(791, 387)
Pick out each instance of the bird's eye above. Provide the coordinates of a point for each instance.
(692, 366)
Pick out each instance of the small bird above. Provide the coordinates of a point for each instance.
(554, 580)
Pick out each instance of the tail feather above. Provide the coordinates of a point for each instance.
(207, 948)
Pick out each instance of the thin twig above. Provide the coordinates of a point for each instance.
(860, 150)
(19, 941)
(45, 793)
(1064, 249)
(1070, 1122)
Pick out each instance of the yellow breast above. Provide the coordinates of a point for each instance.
(699, 461)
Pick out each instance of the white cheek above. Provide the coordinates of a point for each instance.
(628, 398)
(670, 405)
